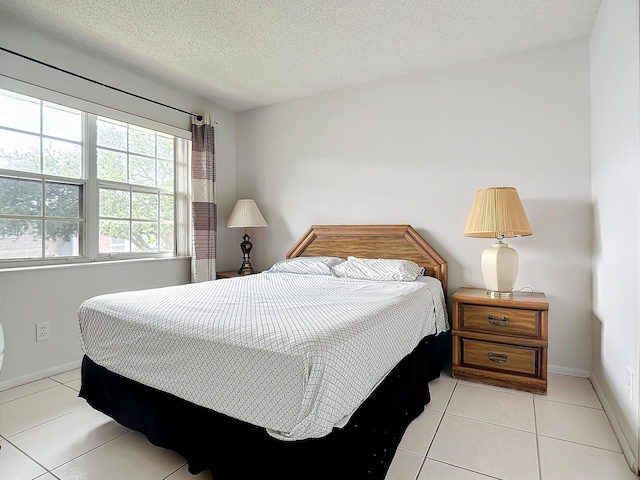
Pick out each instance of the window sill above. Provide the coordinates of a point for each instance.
(90, 262)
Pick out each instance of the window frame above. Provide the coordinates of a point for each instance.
(90, 184)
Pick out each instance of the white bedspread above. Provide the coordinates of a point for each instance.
(292, 353)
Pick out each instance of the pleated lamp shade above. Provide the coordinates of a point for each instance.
(498, 213)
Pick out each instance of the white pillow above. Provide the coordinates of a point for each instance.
(378, 269)
(306, 265)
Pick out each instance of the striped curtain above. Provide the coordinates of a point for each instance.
(203, 207)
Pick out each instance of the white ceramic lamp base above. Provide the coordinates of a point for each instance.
(499, 269)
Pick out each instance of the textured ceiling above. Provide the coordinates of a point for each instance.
(249, 53)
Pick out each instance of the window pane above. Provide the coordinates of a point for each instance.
(111, 134)
(114, 204)
(142, 141)
(61, 122)
(62, 158)
(144, 236)
(62, 238)
(165, 147)
(20, 197)
(114, 236)
(166, 208)
(19, 151)
(19, 112)
(165, 174)
(144, 206)
(62, 200)
(20, 238)
(142, 171)
(166, 237)
(112, 166)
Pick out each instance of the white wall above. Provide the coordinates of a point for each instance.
(416, 149)
(55, 293)
(615, 134)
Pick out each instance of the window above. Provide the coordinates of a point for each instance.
(136, 179)
(76, 186)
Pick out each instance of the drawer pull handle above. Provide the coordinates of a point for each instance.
(498, 357)
(501, 323)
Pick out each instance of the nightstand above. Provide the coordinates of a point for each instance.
(501, 341)
(231, 274)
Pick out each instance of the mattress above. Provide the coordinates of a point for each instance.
(294, 354)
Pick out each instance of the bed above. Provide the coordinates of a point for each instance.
(310, 369)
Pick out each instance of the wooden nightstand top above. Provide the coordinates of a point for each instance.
(230, 274)
(535, 300)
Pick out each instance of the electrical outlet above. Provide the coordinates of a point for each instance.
(630, 383)
(43, 331)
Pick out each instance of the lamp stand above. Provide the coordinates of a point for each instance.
(499, 269)
(245, 246)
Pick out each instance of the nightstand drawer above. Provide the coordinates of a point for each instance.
(500, 320)
(498, 356)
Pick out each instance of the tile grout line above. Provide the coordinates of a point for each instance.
(175, 471)
(535, 426)
(424, 459)
(91, 450)
(572, 404)
(28, 456)
(491, 423)
(581, 444)
(28, 394)
(464, 468)
(47, 421)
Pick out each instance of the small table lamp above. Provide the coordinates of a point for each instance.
(246, 214)
(498, 213)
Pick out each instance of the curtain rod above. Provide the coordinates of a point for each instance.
(198, 117)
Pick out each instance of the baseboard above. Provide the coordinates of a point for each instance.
(627, 451)
(569, 371)
(32, 377)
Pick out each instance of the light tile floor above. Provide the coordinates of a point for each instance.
(467, 432)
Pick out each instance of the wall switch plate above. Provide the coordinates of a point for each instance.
(43, 331)
(629, 383)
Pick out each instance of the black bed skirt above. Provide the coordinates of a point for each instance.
(232, 449)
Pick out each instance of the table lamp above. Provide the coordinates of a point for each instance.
(498, 213)
(246, 214)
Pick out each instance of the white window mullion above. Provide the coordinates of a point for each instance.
(41, 139)
(130, 219)
(91, 192)
(42, 218)
(182, 199)
(42, 223)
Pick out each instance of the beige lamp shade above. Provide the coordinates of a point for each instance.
(497, 213)
(246, 214)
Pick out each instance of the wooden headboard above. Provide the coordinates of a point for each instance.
(372, 241)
